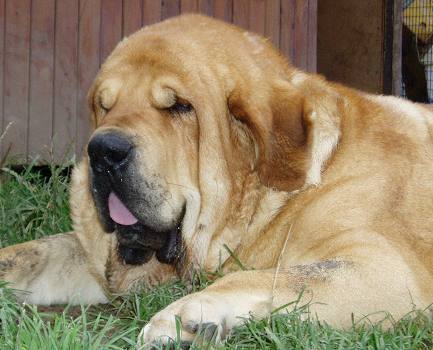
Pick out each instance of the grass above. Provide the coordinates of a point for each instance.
(32, 206)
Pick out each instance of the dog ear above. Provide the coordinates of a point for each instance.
(296, 127)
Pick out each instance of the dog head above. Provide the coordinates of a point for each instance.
(184, 111)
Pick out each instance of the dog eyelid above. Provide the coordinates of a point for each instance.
(98, 107)
(105, 109)
(180, 107)
(104, 101)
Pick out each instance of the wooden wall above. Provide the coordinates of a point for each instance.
(50, 51)
(350, 42)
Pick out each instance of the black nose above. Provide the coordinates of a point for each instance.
(108, 150)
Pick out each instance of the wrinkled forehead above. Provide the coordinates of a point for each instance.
(153, 52)
(140, 80)
(178, 56)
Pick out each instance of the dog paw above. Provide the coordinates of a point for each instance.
(200, 319)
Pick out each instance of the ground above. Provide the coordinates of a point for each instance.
(33, 205)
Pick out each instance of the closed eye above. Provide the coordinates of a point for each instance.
(99, 106)
(104, 109)
(180, 107)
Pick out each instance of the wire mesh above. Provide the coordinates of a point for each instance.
(417, 55)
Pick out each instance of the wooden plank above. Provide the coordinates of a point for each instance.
(188, 6)
(2, 55)
(132, 16)
(223, 9)
(206, 7)
(350, 49)
(241, 13)
(49, 64)
(41, 79)
(257, 19)
(397, 49)
(273, 13)
(152, 11)
(16, 79)
(312, 37)
(88, 65)
(287, 28)
(170, 8)
(65, 79)
(301, 34)
(111, 26)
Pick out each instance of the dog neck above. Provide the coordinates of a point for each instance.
(255, 209)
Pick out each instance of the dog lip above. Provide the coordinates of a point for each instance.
(139, 242)
(172, 249)
(170, 252)
(139, 236)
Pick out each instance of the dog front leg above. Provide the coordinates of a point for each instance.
(337, 289)
(52, 270)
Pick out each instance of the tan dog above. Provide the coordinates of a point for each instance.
(204, 137)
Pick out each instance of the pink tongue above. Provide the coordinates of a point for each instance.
(118, 212)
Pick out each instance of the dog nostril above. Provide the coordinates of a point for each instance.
(108, 150)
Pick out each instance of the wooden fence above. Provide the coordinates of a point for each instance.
(50, 51)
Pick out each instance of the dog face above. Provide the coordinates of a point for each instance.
(165, 146)
(142, 158)
(184, 112)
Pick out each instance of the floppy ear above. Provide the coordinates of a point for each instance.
(295, 126)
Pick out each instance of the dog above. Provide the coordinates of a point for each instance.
(210, 149)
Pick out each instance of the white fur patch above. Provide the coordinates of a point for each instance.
(298, 78)
(400, 105)
(57, 287)
(324, 139)
(411, 119)
(255, 41)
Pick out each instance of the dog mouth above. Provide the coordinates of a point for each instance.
(131, 210)
(137, 242)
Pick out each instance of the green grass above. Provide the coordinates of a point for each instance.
(32, 206)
